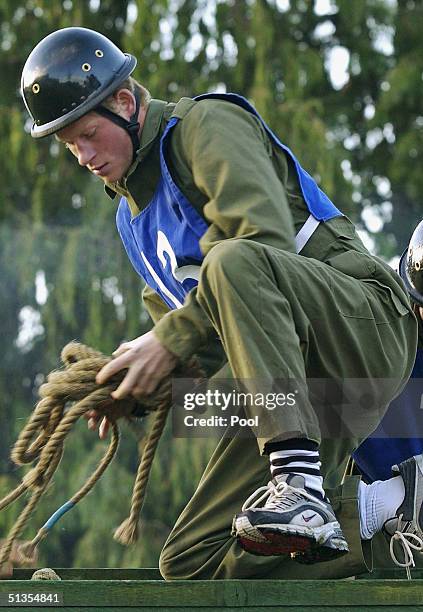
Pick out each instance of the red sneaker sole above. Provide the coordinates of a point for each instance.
(301, 548)
(277, 544)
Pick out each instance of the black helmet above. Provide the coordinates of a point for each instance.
(411, 266)
(69, 73)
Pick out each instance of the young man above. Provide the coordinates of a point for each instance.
(400, 433)
(215, 213)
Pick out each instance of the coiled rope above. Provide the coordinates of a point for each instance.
(66, 396)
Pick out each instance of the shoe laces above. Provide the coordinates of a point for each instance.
(278, 497)
(409, 541)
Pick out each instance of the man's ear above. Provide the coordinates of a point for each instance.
(125, 101)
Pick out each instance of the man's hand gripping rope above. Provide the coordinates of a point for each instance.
(147, 363)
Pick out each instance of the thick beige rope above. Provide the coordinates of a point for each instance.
(127, 532)
(43, 436)
(66, 396)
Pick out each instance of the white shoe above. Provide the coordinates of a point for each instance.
(291, 521)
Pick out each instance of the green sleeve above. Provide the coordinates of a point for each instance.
(185, 324)
(210, 355)
(154, 304)
(220, 156)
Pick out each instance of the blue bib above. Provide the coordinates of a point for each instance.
(163, 240)
(378, 453)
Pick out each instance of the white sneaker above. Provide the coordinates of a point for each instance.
(291, 521)
(405, 530)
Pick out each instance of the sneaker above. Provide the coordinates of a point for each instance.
(291, 521)
(405, 530)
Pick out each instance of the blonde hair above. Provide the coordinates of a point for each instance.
(133, 86)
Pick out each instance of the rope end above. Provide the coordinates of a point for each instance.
(127, 532)
(26, 554)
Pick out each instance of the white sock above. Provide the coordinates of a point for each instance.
(377, 503)
(305, 463)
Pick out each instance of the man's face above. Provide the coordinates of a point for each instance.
(99, 145)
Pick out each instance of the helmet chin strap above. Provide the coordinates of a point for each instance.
(132, 126)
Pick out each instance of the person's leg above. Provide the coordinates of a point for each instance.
(292, 317)
(395, 506)
(200, 545)
(282, 316)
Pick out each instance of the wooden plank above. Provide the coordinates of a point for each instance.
(391, 574)
(227, 593)
(213, 609)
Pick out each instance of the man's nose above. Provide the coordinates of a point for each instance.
(85, 154)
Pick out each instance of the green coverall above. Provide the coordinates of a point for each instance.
(333, 312)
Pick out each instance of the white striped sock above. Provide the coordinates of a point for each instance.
(300, 459)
